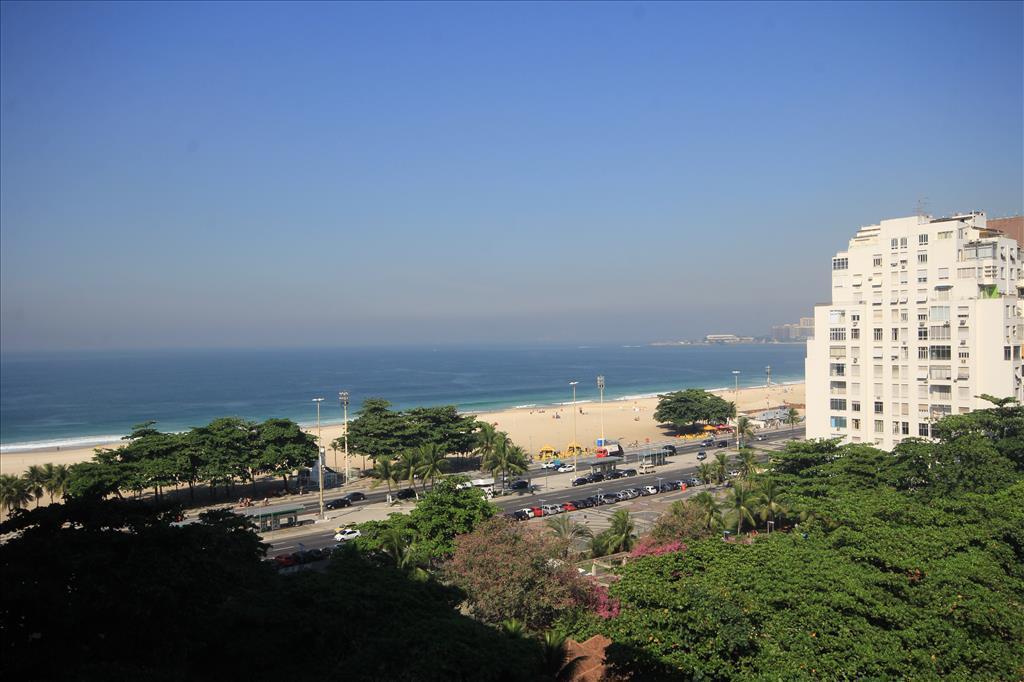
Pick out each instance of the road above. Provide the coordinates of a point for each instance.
(681, 465)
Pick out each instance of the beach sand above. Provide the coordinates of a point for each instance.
(530, 428)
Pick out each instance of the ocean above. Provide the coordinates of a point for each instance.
(78, 399)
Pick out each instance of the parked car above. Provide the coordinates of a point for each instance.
(613, 474)
(338, 503)
(595, 477)
(528, 511)
(355, 496)
(708, 442)
(522, 515)
(582, 480)
(669, 448)
(648, 490)
(568, 507)
(702, 455)
(346, 534)
(285, 560)
(406, 494)
(592, 501)
(628, 472)
(666, 488)
(566, 468)
(519, 485)
(607, 498)
(551, 509)
(554, 464)
(761, 437)
(723, 443)
(621, 496)
(692, 481)
(537, 512)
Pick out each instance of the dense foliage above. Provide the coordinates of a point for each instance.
(903, 565)
(688, 409)
(380, 432)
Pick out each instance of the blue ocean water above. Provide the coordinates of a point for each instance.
(82, 398)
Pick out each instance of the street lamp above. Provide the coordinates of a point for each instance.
(659, 483)
(736, 376)
(343, 397)
(320, 455)
(575, 443)
(600, 388)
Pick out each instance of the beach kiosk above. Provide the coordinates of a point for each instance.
(599, 465)
(275, 517)
(546, 452)
(573, 449)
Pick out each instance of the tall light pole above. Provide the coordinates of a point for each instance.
(600, 388)
(736, 376)
(575, 443)
(320, 455)
(343, 397)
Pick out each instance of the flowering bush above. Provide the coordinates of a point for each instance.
(604, 604)
(648, 546)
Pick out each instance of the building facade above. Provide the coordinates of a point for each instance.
(794, 332)
(925, 316)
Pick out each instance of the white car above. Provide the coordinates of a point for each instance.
(347, 534)
(548, 465)
(566, 468)
(528, 512)
(552, 509)
(649, 490)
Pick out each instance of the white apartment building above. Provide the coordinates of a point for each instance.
(926, 315)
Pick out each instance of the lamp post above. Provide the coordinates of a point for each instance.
(575, 444)
(320, 455)
(736, 376)
(343, 397)
(600, 388)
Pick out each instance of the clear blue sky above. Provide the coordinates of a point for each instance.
(287, 174)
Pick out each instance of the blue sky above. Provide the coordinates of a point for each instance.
(313, 174)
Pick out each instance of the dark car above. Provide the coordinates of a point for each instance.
(592, 501)
(708, 442)
(723, 443)
(595, 477)
(582, 480)
(338, 503)
(519, 485)
(629, 472)
(613, 474)
(692, 480)
(406, 494)
(669, 448)
(520, 515)
(355, 496)
(608, 498)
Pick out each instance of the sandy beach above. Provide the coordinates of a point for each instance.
(531, 428)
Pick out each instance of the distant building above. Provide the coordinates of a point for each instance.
(802, 331)
(1012, 227)
(727, 338)
(925, 315)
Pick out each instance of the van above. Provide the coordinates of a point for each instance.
(645, 469)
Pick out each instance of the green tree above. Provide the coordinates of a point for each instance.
(792, 417)
(741, 505)
(378, 431)
(748, 461)
(686, 410)
(384, 470)
(620, 535)
(721, 466)
(408, 466)
(710, 512)
(282, 447)
(684, 520)
(565, 528)
(14, 492)
(35, 481)
(444, 427)
(443, 514)
(744, 430)
(57, 480)
(505, 459)
(432, 462)
(706, 472)
(487, 439)
(769, 505)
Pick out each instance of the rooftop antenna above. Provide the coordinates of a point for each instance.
(922, 207)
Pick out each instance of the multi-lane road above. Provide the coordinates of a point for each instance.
(682, 465)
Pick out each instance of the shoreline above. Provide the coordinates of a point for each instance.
(529, 426)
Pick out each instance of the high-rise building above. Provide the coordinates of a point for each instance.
(925, 316)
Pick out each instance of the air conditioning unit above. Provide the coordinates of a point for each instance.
(963, 342)
(963, 323)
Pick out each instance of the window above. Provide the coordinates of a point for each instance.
(945, 235)
(964, 354)
(836, 316)
(837, 369)
(922, 258)
(837, 351)
(922, 353)
(894, 243)
(855, 317)
(878, 371)
(840, 263)
(963, 373)
(855, 406)
(940, 332)
(922, 333)
(895, 334)
(922, 430)
(940, 392)
(904, 315)
(939, 313)
(838, 422)
(879, 407)
(837, 334)
(877, 261)
(878, 334)
(903, 242)
(905, 428)
(1006, 353)
(838, 404)
(940, 352)
(903, 278)
(855, 423)
(922, 239)
(943, 273)
(855, 333)
(879, 426)
(922, 276)
(940, 373)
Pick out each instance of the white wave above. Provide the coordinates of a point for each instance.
(524, 407)
(578, 402)
(641, 396)
(60, 443)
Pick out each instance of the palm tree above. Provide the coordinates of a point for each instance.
(487, 439)
(620, 536)
(792, 417)
(744, 430)
(741, 504)
(14, 493)
(384, 470)
(555, 665)
(35, 480)
(721, 466)
(57, 483)
(565, 528)
(514, 628)
(748, 461)
(711, 515)
(433, 462)
(505, 458)
(706, 473)
(770, 505)
(408, 466)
